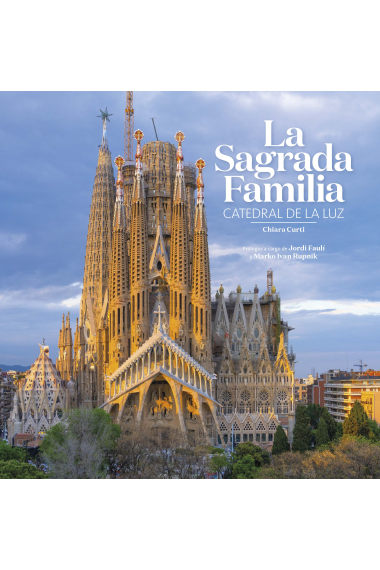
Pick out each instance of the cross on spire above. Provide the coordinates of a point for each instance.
(179, 137)
(159, 313)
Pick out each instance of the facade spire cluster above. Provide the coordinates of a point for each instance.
(146, 310)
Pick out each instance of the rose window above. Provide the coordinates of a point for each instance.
(227, 402)
(264, 402)
(282, 403)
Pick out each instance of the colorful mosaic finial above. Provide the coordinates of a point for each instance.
(119, 161)
(179, 137)
(139, 135)
(200, 164)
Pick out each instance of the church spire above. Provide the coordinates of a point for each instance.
(138, 194)
(119, 217)
(139, 268)
(179, 188)
(200, 222)
(98, 249)
(104, 116)
(201, 294)
(118, 321)
(179, 256)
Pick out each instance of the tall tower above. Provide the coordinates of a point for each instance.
(64, 362)
(119, 306)
(98, 250)
(201, 293)
(139, 257)
(179, 256)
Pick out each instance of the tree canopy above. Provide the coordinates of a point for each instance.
(356, 423)
(350, 458)
(245, 461)
(322, 435)
(218, 462)
(80, 448)
(13, 469)
(301, 432)
(280, 442)
(314, 411)
(7, 452)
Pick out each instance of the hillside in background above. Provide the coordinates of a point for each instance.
(17, 367)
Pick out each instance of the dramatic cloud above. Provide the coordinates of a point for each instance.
(45, 298)
(333, 302)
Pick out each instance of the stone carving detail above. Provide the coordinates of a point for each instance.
(161, 404)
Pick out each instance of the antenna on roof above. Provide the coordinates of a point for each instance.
(152, 119)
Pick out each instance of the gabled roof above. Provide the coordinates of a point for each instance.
(160, 336)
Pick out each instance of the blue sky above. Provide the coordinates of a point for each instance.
(49, 145)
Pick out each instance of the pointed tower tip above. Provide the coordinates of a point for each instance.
(139, 135)
(179, 190)
(104, 115)
(119, 219)
(119, 161)
(138, 190)
(179, 137)
(200, 164)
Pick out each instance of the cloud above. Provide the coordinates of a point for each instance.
(337, 307)
(72, 302)
(217, 250)
(44, 298)
(11, 241)
(294, 101)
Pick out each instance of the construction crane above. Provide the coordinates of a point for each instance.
(361, 365)
(152, 119)
(128, 128)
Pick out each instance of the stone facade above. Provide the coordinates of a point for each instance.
(148, 273)
(41, 400)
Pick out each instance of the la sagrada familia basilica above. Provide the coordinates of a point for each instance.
(150, 344)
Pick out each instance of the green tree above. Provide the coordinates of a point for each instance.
(81, 447)
(356, 423)
(218, 462)
(280, 442)
(314, 411)
(260, 456)
(339, 430)
(322, 434)
(331, 424)
(301, 432)
(374, 433)
(7, 452)
(246, 458)
(13, 469)
(244, 468)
